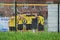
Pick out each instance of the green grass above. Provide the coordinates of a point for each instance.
(29, 36)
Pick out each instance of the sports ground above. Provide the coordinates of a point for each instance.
(29, 36)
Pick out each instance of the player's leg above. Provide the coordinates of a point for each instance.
(20, 26)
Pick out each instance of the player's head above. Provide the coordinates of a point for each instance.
(40, 14)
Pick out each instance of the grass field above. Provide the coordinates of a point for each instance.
(29, 36)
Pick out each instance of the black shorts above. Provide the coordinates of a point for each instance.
(34, 26)
(12, 28)
(28, 26)
(20, 26)
(34, 23)
(40, 27)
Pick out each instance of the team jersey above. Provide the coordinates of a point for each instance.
(20, 21)
(23, 15)
(12, 21)
(28, 20)
(32, 17)
(41, 20)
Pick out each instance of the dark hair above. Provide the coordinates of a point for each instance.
(39, 14)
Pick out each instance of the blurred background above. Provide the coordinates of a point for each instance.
(8, 11)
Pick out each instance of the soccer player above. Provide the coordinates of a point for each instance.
(34, 23)
(12, 23)
(40, 23)
(20, 22)
(28, 22)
